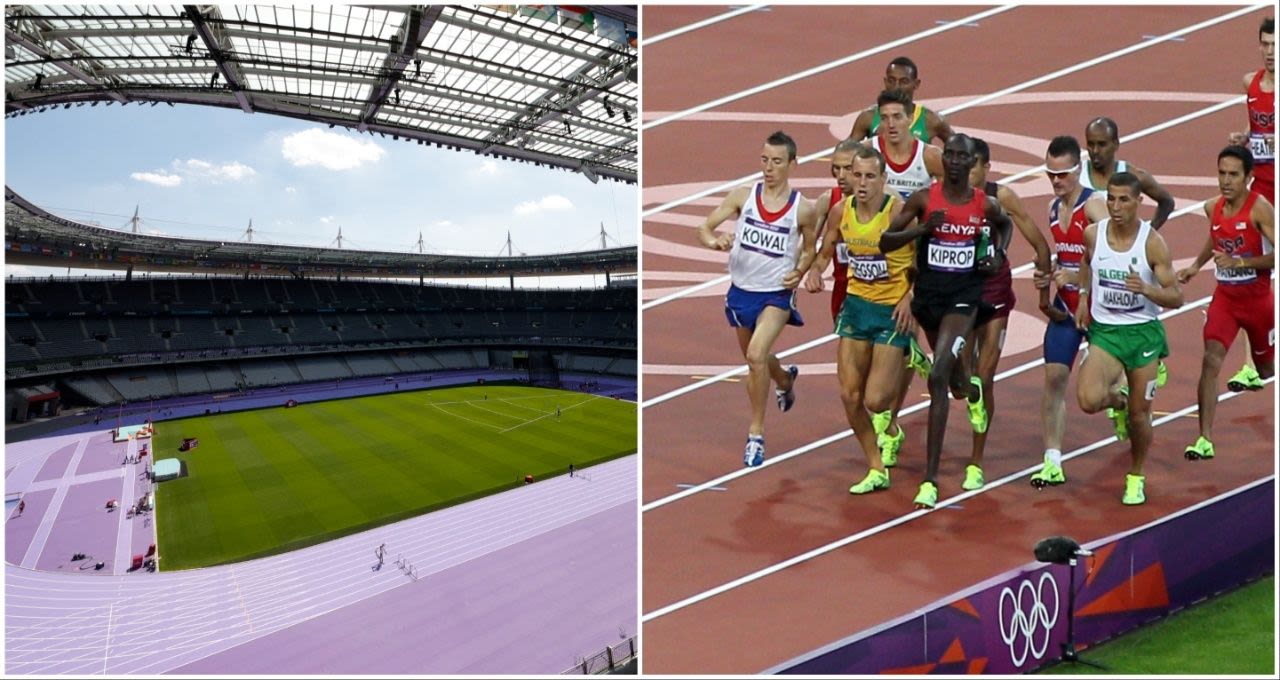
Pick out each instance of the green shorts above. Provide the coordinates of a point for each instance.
(862, 320)
(1134, 346)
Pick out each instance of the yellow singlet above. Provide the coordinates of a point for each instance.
(873, 275)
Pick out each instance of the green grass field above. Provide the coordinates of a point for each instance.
(1233, 634)
(277, 479)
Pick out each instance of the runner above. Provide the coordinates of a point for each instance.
(875, 322)
(1102, 136)
(1242, 229)
(998, 300)
(770, 251)
(953, 258)
(1125, 273)
(902, 76)
(1070, 212)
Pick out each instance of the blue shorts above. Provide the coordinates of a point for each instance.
(743, 307)
(1062, 338)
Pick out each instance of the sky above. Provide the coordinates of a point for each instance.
(204, 172)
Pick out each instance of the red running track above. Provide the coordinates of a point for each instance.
(757, 520)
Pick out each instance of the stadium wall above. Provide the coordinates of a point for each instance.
(1017, 622)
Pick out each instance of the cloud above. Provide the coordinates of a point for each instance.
(550, 203)
(160, 178)
(488, 168)
(327, 219)
(290, 190)
(329, 150)
(444, 223)
(195, 168)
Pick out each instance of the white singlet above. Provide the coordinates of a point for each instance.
(1087, 182)
(1111, 303)
(908, 178)
(764, 245)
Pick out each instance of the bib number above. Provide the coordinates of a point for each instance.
(842, 252)
(869, 268)
(1236, 275)
(1262, 151)
(951, 256)
(1114, 297)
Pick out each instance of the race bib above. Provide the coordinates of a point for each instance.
(869, 268)
(1114, 297)
(764, 238)
(1074, 268)
(842, 252)
(1262, 151)
(951, 256)
(1236, 275)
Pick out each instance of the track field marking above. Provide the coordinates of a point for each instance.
(866, 533)
(499, 413)
(707, 377)
(832, 336)
(646, 42)
(584, 401)
(470, 420)
(1031, 83)
(919, 406)
(824, 67)
(713, 488)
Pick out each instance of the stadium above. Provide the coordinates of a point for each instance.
(229, 454)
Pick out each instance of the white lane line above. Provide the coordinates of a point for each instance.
(55, 506)
(824, 67)
(470, 420)
(848, 540)
(588, 399)
(647, 42)
(1010, 90)
(849, 433)
(124, 524)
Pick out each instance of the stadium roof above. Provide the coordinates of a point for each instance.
(536, 83)
(34, 236)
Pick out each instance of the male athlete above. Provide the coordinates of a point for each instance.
(1260, 138)
(875, 322)
(1102, 137)
(1070, 212)
(1125, 275)
(987, 338)
(1241, 234)
(952, 225)
(771, 248)
(902, 76)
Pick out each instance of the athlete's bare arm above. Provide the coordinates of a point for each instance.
(808, 238)
(1157, 193)
(1083, 317)
(933, 161)
(1263, 216)
(1002, 228)
(830, 236)
(899, 234)
(937, 126)
(1031, 232)
(1242, 138)
(729, 208)
(1166, 293)
(862, 125)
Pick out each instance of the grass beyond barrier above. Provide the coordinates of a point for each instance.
(272, 480)
(1232, 634)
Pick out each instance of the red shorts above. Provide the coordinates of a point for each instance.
(998, 299)
(1227, 314)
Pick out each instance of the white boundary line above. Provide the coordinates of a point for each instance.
(848, 540)
(1010, 90)
(700, 24)
(825, 67)
(588, 399)
(847, 432)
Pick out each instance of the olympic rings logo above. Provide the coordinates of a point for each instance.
(1029, 611)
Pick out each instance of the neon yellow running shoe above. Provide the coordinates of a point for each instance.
(875, 479)
(1201, 450)
(1120, 416)
(973, 478)
(890, 445)
(1049, 475)
(1246, 378)
(978, 411)
(928, 496)
(880, 421)
(1133, 490)
(918, 360)
(1162, 374)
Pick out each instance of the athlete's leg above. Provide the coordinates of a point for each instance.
(1053, 404)
(853, 364)
(758, 351)
(884, 381)
(1207, 392)
(1099, 374)
(947, 344)
(990, 339)
(1142, 389)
